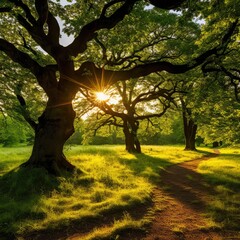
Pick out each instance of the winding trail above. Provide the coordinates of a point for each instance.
(180, 201)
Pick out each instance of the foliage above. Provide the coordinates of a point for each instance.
(14, 132)
(218, 113)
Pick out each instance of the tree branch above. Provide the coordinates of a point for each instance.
(111, 120)
(26, 9)
(88, 32)
(5, 9)
(53, 29)
(95, 74)
(167, 4)
(110, 77)
(165, 108)
(44, 75)
(20, 57)
(25, 45)
(42, 10)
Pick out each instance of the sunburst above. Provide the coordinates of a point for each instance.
(101, 96)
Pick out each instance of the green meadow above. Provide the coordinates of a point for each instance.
(108, 187)
(223, 172)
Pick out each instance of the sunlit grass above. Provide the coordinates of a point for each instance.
(113, 181)
(12, 156)
(223, 172)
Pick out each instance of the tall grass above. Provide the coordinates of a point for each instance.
(223, 172)
(112, 183)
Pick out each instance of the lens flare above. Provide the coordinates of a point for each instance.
(101, 96)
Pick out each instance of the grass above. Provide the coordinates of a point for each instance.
(223, 172)
(114, 183)
(11, 157)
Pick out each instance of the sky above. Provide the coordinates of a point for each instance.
(65, 40)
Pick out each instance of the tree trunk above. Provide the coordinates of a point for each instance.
(190, 128)
(131, 141)
(190, 131)
(54, 128)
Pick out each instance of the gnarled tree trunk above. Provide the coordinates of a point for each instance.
(54, 128)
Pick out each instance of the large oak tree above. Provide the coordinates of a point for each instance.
(61, 76)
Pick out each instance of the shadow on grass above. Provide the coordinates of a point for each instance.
(146, 166)
(224, 176)
(20, 192)
(23, 190)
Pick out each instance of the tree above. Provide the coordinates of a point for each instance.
(28, 27)
(136, 100)
(189, 126)
(190, 90)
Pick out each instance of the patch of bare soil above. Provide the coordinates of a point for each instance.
(180, 201)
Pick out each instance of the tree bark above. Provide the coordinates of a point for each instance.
(54, 128)
(131, 141)
(190, 128)
(190, 131)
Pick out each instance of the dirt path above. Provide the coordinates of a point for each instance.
(180, 200)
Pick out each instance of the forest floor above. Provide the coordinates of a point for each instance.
(180, 201)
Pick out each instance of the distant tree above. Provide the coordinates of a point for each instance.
(189, 127)
(136, 100)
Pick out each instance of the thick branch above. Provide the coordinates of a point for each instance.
(26, 9)
(49, 42)
(46, 76)
(167, 4)
(42, 10)
(88, 32)
(5, 9)
(53, 29)
(20, 57)
(96, 74)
